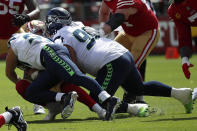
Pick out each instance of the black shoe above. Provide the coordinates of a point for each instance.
(111, 105)
(129, 98)
(17, 118)
(68, 101)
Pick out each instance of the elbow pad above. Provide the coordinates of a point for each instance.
(116, 20)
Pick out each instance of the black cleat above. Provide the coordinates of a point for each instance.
(68, 101)
(111, 105)
(17, 118)
(129, 98)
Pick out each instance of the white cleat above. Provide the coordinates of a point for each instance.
(194, 94)
(38, 109)
(184, 95)
(68, 103)
(54, 108)
(102, 114)
(50, 116)
(140, 110)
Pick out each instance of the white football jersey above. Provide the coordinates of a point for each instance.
(27, 48)
(92, 53)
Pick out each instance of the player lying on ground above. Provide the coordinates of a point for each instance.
(14, 117)
(42, 54)
(38, 27)
(107, 60)
(55, 107)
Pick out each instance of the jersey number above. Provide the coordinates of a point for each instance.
(83, 36)
(35, 38)
(193, 17)
(11, 8)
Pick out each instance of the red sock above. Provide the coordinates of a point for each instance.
(83, 96)
(2, 121)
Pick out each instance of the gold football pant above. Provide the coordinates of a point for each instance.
(139, 46)
(194, 31)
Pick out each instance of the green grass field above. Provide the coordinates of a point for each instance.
(169, 117)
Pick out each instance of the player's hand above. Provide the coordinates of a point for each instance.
(20, 19)
(185, 67)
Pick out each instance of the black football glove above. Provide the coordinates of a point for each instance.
(20, 19)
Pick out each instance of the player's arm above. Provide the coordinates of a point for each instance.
(72, 53)
(104, 12)
(34, 13)
(33, 8)
(73, 56)
(11, 63)
(117, 19)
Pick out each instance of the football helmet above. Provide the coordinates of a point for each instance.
(56, 18)
(36, 27)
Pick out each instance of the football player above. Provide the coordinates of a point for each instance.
(107, 60)
(184, 15)
(38, 27)
(14, 117)
(13, 17)
(140, 26)
(41, 53)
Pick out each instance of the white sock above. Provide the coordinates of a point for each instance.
(103, 96)
(7, 116)
(96, 108)
(59, 96)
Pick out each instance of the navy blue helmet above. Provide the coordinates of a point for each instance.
(56, 18)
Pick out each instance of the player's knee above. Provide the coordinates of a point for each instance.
(21, 87)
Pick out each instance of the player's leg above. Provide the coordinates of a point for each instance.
(14, 117)
(136, 86)
(56, 58)
(112, 75)
(38, 93)
(143, 45)
(141, 48)
(124, 40)
(84, 98)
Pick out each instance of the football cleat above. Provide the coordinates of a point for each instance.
(111, 105)
(68, 101)
(141, 110)
(38, 109)
(194, 94)
(50, 116)
(102, 114)
(184, 95)
(53, 110)
(17, 118)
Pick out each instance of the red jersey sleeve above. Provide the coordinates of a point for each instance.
(121, 4)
